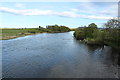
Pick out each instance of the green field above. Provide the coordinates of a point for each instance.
(13, 33)
(9, 33)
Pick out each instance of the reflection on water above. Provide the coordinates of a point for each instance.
(105, 53)
(56, 55)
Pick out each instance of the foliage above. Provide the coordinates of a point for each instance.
(56, 28)
(113, 23)
(79, 34)
(86, 32)
(110, 35)
(9, 33)
(93, 26)
(73, 29)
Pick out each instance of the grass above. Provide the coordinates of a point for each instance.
(73, 29)
(8, 33)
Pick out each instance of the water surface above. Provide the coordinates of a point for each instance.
(56, 55)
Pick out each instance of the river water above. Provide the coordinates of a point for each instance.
(56, 55)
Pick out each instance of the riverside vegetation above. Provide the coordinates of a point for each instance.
(9, 33)
(91, 34)
(109, 35)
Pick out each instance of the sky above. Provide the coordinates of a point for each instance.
(70, 14)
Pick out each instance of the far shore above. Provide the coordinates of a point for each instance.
(10, 33)
(22, 35)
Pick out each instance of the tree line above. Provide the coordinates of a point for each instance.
(57, 28)
(108, 35)
(51, 29)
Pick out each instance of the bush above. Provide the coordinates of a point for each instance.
(56, 28)
(108, 36)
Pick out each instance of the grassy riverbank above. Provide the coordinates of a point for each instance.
(10, 33)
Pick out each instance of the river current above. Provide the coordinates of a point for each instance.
(56, 55)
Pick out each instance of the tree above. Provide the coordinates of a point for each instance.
(90, 34)
(112, 33)
(40, 27)
(90, 30)
(112, 23)
(57, 28)
(92, 25)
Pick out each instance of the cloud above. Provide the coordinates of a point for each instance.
(74, 10)
(99, 17)
(106, 9)
(106, 12)
(19, 5)
(32, 12)
(67, 14)
(59, 0)
(110, 10)
(26, 11)
(38, 12)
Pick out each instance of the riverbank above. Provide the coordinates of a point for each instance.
(92, 35)
(14, 33)
(17, 35)
(93, 42)
(10, 33)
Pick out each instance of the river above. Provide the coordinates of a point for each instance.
(56, 55)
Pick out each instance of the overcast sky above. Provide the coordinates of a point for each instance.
(71, 14)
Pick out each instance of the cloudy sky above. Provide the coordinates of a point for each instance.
(71, 14)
